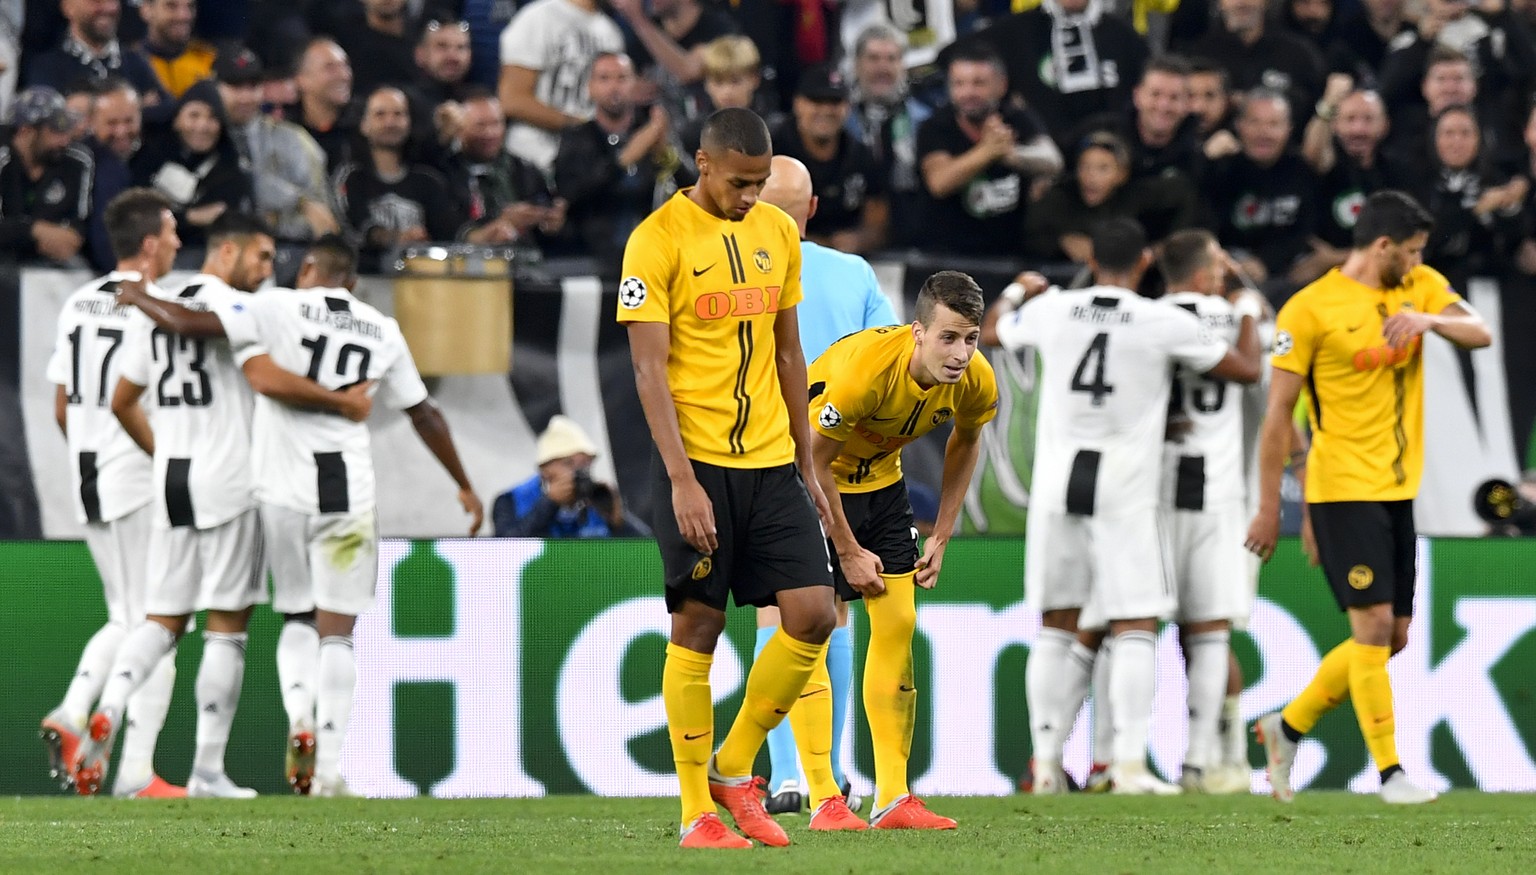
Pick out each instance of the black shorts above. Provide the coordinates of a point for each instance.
(769, 537)
(1368, 551)
(882, 523)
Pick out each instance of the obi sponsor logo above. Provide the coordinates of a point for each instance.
(737, 302)
(1384, 356)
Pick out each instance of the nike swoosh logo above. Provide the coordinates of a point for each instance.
(807, 695)
(780, 711)
(1356, 328)
(906, 689)
(694, 737)
(697, 272)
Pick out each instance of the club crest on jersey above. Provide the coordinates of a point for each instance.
(1361, 577)
(829, 417)
(631, 292)
(702, 568)
(762, 260)
(1284, 342)
(942, 415)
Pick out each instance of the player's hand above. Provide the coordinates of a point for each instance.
(472, 506)
(1033, 282)
(1263, 533)
(1308, 538)
(929, 564)
(132, 289)
(861, 569)
(356, 401)
(1403, 326)
(695, 515)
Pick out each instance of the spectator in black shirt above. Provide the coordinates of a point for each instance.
(1157, 127)
(615, 167)
(196, 164)
(90, 50)
(980, 161)
(853, 213)
(440, 85)
(1211, 106)
(385, 200)
(1312, 20)
(664, 45)
(1257, 54)
(45, 182)
(1362, 37)
(1450, 79)
(1264, 199)
(1069, 59)
(116, 125)
(1498, 47)
(324, 109)
(1344, 146)
(380, 45)
(884, 116)
(505, 199)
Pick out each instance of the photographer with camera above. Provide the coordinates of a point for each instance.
(562, 500)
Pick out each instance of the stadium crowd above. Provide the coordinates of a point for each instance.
(973, 128)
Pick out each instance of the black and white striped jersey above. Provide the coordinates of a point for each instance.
(1204, 467)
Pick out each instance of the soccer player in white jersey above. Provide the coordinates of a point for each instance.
(205, 548)
(110, 479)
(1204, 501)
(1106, 356)
(315, 484)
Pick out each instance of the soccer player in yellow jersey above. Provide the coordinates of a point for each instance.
(1354, 338)
(711, 280)
(872, 393)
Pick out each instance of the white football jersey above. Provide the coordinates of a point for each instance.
(1204, 468)
(109, 474)
(1107, 357)
(200, 408)
(316, 461)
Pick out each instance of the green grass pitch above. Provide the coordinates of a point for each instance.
(1319, 833)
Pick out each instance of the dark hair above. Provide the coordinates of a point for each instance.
(1184, 253)
(1118, 244)
(977, 53)
(236, 224)
(954, 290)
(1391, 214)
(334, 257)
(735, 130)
(133, 216)
(1441, 54)
(1208, 67)
(1173, 65)
(1109, 142)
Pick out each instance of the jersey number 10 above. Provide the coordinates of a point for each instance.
(346, 355)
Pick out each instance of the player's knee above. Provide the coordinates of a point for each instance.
(812, 624)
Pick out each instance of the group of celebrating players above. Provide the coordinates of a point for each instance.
(786, 487)
(213, 434)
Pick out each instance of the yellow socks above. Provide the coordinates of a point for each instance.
(1328, 688)
(890, 696)
(777, 679)
(1371, 689)
(812, 721)
(690, 724)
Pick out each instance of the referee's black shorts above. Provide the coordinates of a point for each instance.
(1368, 551)
(769, 537)
(882, 523)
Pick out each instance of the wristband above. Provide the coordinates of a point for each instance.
(1014, 294)
(1248, 305)
(1325, 111)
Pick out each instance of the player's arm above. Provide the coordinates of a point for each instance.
(61, 408)
(1276, 436)
(432, 427)
(129, 412)
(649, 346)
(276, 382)
(794, 385)
(1243, 362)
(861, 568)
(1458, 323)
(1024, 287)
(170, 315)
(961, 453)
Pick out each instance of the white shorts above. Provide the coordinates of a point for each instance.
(217, 569)
(1209, 563)
(328, 561)
(1111, 567)
(120, 550)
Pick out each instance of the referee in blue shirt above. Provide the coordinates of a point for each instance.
(841, 297)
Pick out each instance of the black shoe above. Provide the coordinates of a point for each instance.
(786, 800)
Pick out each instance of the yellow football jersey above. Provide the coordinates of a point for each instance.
(719, 285)
(863, 394)
(1367, 399)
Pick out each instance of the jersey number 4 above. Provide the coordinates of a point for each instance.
(1089, 376)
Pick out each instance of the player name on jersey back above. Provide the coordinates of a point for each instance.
(315, 461)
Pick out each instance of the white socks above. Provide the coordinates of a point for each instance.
(1205, 662)
(338, 675)
(1234, 740)
(91, 674)
(136, 658)
(146, 715)
(1055, 682)
(1103, 711)
(1132, 678)
(219, 679)
(298, 670)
